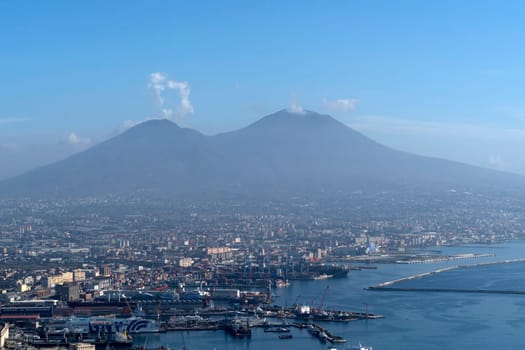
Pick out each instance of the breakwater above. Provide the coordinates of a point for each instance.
(390, 285)
(448, 290)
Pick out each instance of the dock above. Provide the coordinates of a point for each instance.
(324, 334)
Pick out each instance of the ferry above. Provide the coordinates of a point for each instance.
(111, 325)
(360, 347)
(277, 330)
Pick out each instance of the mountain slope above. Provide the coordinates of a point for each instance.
(302, 150)
(153, 155)
(282, 153)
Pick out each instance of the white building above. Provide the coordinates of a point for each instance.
(4, 334)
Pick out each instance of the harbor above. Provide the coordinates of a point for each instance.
(123, 319)
(62, 326)
(323, 310)
(118, 320)
(237, 328)
(206, 328)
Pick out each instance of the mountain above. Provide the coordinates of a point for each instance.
(281, 153)
(316, 152)
(153, 155)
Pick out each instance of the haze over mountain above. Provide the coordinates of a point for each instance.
(284, 152)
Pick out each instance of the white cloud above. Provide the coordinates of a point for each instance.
(127, 124)
(157, 83)
(496, 162)
(160, 83)
(295, 108)
(341, 105)
(167, 113)
(77, 141)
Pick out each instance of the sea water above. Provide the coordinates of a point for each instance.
(413, 320)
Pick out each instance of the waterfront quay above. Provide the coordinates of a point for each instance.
(46, 336)
(112, 321)
(263, 316)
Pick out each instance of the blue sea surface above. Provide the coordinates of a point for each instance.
(413, 320)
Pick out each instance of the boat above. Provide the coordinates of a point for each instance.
(323, 276)
(185, 320)
(277, 330)
(282, 283)
(141, 347)
(337, 339)
(285, 336)
(360, 347)
(300, 325)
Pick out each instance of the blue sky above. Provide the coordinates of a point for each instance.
(440, 78)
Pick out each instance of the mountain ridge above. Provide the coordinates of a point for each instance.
(283, 152)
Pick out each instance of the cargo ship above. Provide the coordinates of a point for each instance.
(319, 272)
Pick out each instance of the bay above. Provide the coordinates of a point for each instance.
(413, 320)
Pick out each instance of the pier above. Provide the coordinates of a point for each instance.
(324, 335)
(389, 285)
(448, 290)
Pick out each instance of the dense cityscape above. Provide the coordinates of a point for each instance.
(92, 256)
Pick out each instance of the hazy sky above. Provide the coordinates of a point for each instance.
(441, 78)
